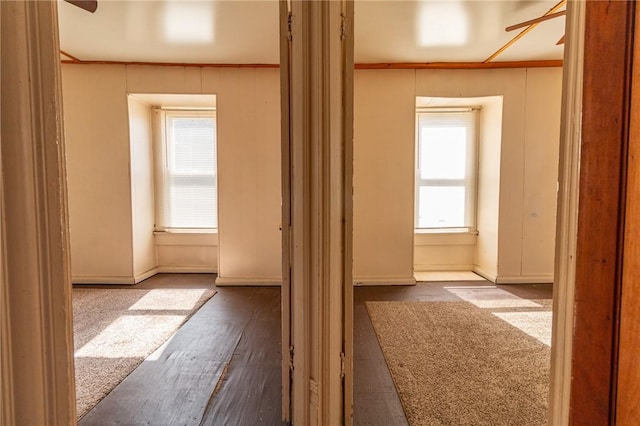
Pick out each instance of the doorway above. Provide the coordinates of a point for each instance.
(31, 388)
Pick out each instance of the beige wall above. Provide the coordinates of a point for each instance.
(249, 153)
(100, 191)
(517, 181)
(517, 190)
(444, 252)
(141, 147)
(540, 172)
(384, 117)
(97, 141)
(486, 250)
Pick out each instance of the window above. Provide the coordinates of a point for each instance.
(446, 168)
(187, 171)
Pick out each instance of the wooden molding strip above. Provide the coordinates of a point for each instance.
(524, 32)
(361, 66)
(536, 20)
(73, 58)
(459, 65)
(170, 64)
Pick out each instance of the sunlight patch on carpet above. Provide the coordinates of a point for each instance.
(130, 336)
(174, 299)
(454, 363)
(116, 329)
(491, 297)
(535, 324)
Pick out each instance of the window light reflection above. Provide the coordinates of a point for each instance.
(442, 23)
(189, 22)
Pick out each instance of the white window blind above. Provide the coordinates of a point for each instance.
(187, 197)
(446, 166)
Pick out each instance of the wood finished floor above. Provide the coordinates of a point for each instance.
(223, 366)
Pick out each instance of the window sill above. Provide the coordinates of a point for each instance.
(445, 231)
(444, 237)
(186, 238)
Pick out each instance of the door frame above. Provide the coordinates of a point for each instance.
(317, 77)
(285, 227)
(627, 410)
(37, 380)
(567, 214)
(603, 124)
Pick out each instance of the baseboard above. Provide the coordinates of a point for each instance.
(143, 276)
(187, 269)
(486, 275)
(105, 279)
(430, 267)
(248, 281)
(96, 279)
(364, 281)
(525, 279)
(515, 279)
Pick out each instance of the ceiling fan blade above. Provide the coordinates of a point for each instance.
(536, 20)
(561, 41)
(88, 5)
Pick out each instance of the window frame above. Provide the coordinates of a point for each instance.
(163, 168)
(470, 181)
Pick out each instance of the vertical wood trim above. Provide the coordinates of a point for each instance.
(601, 211)
(300, 274)
(567, 214)
(7, 416)
(628, 395)
(348, 129)
(333, 307)
(35, 254)
(318, 211)
(286, 210)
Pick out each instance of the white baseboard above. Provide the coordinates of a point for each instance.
(106, 279)
(525, 279)
(515, 279)
(248, 281)
(187, 269)
(430, 267)
(143, 276)
(362, 281)
(96, 279)
(486, 275)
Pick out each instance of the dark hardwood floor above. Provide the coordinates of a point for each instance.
(222, 367)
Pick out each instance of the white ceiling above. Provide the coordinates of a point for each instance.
(245, 31)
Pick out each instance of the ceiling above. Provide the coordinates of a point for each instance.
(244, 31)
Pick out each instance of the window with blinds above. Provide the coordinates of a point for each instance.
(187, 171)
(446, 169)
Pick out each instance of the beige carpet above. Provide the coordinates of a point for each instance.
(454, 363)
(116, 329)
